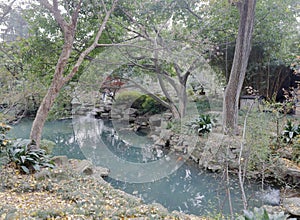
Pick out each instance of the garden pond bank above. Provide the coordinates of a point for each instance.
(61, 132)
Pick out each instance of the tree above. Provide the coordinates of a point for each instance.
(239, 66)
(5, 9)
(67, 21)
(274, 41)
(162, 26)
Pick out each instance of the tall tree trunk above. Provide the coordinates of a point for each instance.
(59, 80)
(239, 66)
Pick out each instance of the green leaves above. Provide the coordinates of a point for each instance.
(290, 131)
(203, 124)
(27, 160)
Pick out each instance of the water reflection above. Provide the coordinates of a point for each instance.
(189, 189)
(60, 132)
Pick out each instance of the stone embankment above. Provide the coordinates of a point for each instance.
(212, 152)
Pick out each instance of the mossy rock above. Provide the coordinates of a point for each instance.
(47, 145)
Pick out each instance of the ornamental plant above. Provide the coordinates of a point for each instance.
(203, 124)
(28, 160)
(290, 131)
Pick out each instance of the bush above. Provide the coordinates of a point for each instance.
(127, 97)
(4, 143)
(143, 103)
(28, 160)
(203, 124)
(290, 131)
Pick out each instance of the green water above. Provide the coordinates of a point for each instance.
(188, 189)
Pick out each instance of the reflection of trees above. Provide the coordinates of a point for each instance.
(94, 132)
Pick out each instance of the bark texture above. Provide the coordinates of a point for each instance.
(60, 79)
(239, 66)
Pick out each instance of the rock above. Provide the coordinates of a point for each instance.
(285, 152)
(107, 108)
(167, 115)
(166, 134)
(130, 111)
(155, 120)
(47, 145)
(287, 170)
(292, 205)
(273, 210)
(159, 207)
(115, 115)
(160, 142)
(101, 171)
(270, 196)
(180, 148)
(84, 167)
(61, 161)
(42, 174)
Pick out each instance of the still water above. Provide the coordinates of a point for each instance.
(187, 188)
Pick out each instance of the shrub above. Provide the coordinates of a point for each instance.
(144, 103)
(28, 160)
(203, 124)
(290, 131)
(127, 97)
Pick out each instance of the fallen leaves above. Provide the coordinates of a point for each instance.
(65, 195)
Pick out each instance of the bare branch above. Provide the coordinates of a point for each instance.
(141, 27)
(56, 13)
(104, 6)
(188, 8)
(75, 14)
(5, 13)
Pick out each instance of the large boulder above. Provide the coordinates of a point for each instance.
(155, 120)
(60, 161)
(86, 167)
(287, 170)
(292, 206)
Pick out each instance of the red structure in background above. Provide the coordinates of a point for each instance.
(110, 86)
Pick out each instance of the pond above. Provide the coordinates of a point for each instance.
(187, 188)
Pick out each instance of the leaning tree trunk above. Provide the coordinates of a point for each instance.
(239, 66)
(57, 83)
(59, 80)
(43, 111)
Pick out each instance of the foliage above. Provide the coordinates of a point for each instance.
(296, 149)
(261, 214)
(3, 131)
(203, 124)
(257, 148)
(62, 107)
(28, 160)
(127, 96)
(4, 143)
(143, 103)
(149, 105)
(290, 131)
